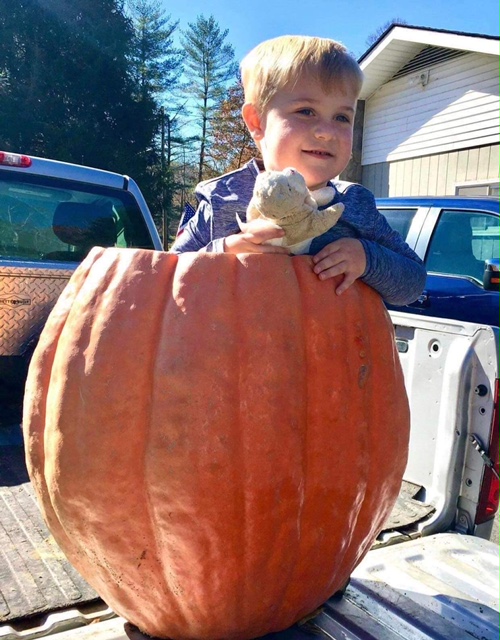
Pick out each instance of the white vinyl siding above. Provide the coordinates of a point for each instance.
(458, 108)
(439, 174)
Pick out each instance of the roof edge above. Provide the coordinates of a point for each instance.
(461, 37)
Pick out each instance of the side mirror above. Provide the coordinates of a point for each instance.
(491, 276)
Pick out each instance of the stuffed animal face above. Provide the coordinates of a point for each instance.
(282, 198)
(279, 194)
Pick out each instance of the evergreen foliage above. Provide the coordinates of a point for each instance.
(66, 90)
(209, 66)
(102, 83)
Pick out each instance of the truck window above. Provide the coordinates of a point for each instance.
(462, 242)
(46, 218)
(399, 219)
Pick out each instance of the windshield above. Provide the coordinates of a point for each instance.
(45, 218)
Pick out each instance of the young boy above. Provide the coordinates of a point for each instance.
(300, 102)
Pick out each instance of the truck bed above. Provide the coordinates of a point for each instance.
(35, 577)
(443, 587)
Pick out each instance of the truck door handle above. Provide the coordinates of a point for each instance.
(421, 301)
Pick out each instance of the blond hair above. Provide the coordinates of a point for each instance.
(279, 62)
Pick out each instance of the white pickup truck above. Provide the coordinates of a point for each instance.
(51, 214)
(432, 573)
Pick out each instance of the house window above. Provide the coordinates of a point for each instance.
(478, 189)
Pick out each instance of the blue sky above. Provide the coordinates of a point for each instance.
(349, 21)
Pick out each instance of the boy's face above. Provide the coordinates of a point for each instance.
(307, 129)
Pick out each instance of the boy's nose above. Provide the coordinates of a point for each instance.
(324, 131)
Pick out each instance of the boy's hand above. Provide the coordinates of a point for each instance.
(346, 256)
(251, 240)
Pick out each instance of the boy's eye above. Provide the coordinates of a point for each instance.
(343, 118)
(306, 111)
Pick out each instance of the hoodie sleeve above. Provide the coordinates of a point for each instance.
(392, 267)
(220, 201)
(197, 234)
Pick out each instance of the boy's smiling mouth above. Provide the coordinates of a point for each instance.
(325, 154)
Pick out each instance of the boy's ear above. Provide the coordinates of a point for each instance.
(253, 120)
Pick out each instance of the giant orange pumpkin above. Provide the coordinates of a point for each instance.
(215, 440)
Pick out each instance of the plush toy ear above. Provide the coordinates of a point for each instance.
(253, 121)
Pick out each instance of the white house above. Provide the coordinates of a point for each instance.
(428, 116)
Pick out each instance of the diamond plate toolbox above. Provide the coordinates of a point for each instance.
(27, 294)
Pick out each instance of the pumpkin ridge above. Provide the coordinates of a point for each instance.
(297, 264)
(364, 469)
(74, 551)
(358, 473)
(247, 287)
(312, 303)
(189, 269)
(242, 436)
(286, 278)
(136, 265)
(38, 381)
(167, 273)
(383, 352)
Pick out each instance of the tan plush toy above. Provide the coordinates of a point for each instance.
(283, 198)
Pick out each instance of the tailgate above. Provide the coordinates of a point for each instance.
(443, 587)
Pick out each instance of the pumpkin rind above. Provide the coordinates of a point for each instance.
(215, 440)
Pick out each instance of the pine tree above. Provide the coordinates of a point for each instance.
(67, 92)
(209, 66)
(156, 63)
(156, 67)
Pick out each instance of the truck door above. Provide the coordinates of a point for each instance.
(455, 262)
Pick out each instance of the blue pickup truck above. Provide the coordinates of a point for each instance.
(458, 239)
